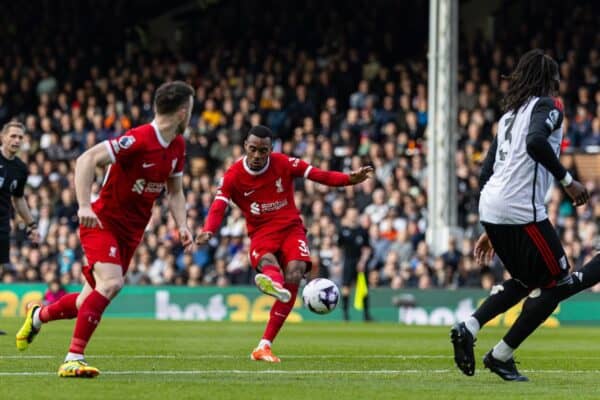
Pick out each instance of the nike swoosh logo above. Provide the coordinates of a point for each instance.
(145, 165)
(249, 193)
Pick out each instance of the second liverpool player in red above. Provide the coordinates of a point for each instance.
(141, 164)
(261, 184)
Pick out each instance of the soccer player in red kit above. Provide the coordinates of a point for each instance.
(261, 185)
(143, 161)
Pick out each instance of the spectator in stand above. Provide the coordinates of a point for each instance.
(54, 292)
(337, 107)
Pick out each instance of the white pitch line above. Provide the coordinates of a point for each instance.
(24, 357)
(298, 372)
(255, 372)
(289, 356)
(229, 356)
(368, 356)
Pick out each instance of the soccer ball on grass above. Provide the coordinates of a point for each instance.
(321, 296)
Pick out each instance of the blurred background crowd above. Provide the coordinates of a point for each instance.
(339, 86)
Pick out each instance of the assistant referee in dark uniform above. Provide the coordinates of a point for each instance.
(353, 240)
(13, 176)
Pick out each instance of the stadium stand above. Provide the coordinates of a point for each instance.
(336, 92)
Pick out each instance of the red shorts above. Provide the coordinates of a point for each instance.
(287, 245)
(101, 245)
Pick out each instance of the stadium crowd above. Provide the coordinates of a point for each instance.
(335, 106)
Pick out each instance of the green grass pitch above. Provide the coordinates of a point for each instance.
(142, 359)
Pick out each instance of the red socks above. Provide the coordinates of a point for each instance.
(274, 273)
(279, 313)
(64, 308)
(87, 320)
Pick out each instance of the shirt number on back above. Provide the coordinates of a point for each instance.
(505, 147)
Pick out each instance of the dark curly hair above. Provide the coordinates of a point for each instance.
(536, 74)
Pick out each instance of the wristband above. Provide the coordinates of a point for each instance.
(567, 180)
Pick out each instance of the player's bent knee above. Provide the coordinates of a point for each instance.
(268, 259)
(540, 303)
(79, 300)
(111, 287)
(109, 279)
(295, 272)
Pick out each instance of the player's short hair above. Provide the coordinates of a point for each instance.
(170, 96)
(261, 131)
(12, 124)
(536, 74)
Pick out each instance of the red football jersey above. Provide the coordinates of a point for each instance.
(142, 162)
(266, 197)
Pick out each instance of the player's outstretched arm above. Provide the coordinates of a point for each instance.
(361, 175)
(334, 178)
(176, 201)
(213, 221)
(217, 210)
(85, 169)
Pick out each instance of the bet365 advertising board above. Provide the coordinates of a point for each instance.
(414, 307)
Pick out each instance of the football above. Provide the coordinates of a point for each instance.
(321, 296)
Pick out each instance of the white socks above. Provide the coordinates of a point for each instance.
(37, 322)
(502, 351)
(264, 342)
(74, 357)
(472, 326)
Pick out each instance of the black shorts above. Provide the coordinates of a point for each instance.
(531, 253)
(349, 272)
(4, 247)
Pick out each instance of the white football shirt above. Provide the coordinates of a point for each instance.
(515, 192)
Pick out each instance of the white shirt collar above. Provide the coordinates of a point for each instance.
(251, 172)
(159, 137)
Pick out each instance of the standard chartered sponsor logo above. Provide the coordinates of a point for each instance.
(154, 187)
(140, 186)
(274, 206)
(257, 208)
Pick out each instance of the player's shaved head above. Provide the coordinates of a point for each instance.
(261, 131)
